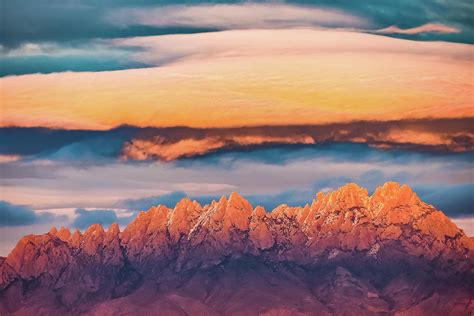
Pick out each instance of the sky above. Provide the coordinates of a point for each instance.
(110, 107)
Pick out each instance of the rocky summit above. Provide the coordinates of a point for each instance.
(346, 253)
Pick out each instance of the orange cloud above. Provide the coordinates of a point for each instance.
(425, 28)
(253, 77)
(428, 138)
(9, 158)
(159, 147)
(451, 135)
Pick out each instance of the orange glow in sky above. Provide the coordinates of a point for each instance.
(296, 77)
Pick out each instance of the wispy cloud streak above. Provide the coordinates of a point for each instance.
(246, 15)
(426, 28)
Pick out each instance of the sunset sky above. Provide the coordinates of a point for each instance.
(110, 107)
(252, 77)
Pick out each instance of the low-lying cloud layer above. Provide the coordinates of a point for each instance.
(168, 144)
(455, 135)
(83, 218)
(20, 215)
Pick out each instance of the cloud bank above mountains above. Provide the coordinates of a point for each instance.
(168, 144)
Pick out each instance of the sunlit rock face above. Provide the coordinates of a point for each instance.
(345, 253)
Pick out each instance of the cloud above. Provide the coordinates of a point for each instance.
(456, 201)
(169, 144)
(60, 144)
(426, 28)
(96, 55)
(68, 22)
(249, 77)
(450, 135)
(15, 215)
(68, 36)
(45, 64)
(169, 199)
(83, 23)
(17, 140)
(466, 224)
(160, 148)
(9, 158)
(236, 16)
(83, 20)
(80, 169)
(84, 218)
(344, 14)
(162, 50)
(19, 215)
(257, 171)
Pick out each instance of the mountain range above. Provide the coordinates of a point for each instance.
(345, 253)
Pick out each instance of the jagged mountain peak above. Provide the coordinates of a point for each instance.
(395, 193)
(239, 201)
(114, 229)
(64, 233)
(347, 219)
(343, 209)
(390, 230)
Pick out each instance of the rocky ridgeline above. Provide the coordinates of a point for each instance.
(386, 233)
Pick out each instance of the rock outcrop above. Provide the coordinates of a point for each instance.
(345, 253)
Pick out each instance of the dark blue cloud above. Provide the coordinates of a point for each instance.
(454, 200)
(169, 199)
(91, 150)
(19, 215)
(335, 152)
(15, 215)
(408, 14)
(32, 141)
(84, 218)
(27, 21)
(20, 65)
(64, 144)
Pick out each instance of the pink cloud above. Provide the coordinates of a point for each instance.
(425, 28)
(9, 158)
(159, 148)
(236, 16)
